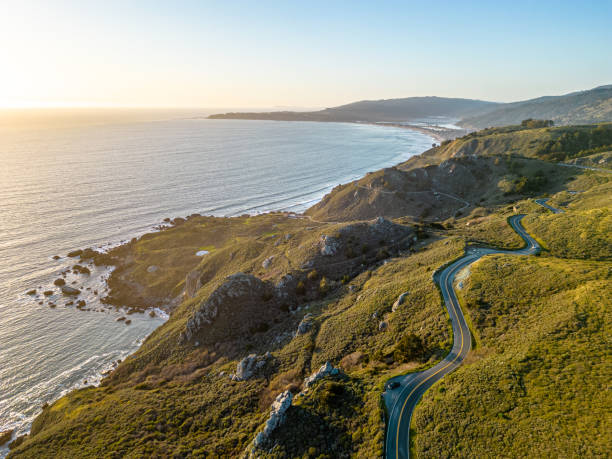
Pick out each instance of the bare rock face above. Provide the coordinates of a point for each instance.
(400, 300)
(305, 325)
(267, 262)
(329, 245)
(248, 366)
(237, 292)
(323, 372)
(277, 417)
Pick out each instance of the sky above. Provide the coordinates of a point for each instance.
(309, 54)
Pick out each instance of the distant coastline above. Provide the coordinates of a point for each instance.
(436, 132)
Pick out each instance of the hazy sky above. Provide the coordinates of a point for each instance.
(305, 53)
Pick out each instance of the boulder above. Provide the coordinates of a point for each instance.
(383, 325)
(31, 292)
(248, 366)
(305, 325)
(59, 282)
(70, 291)
(48, 292)
(266, 263)
(400, 300)
(152, 269)
(326, 370)
(81, 269)
(75, 253)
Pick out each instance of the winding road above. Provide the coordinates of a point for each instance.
(402, 400)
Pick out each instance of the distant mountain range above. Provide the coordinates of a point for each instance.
(584, 107)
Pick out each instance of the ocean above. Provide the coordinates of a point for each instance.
(64, 187)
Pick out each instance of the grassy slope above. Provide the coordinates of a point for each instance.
(181, 403)
(536, 386)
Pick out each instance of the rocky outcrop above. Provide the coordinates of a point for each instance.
(326, 370)
(379, 228)
(285, 285)
(5, 436)
(400, 300)
(70, 291)
(277, 416)
(78, 269)
(248, 366)
(305, 325)
(329, 245)
(237, 289)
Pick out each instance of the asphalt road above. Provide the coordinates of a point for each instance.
(542, 202)
(402, 400)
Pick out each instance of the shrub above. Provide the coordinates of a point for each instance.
(323, 286)
(410, 347)
(330, 393)
(530, 123)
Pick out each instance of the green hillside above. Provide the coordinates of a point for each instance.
(279, 295)
(536, 385)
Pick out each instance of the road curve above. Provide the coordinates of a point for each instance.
(542, 202)
(402, 400)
